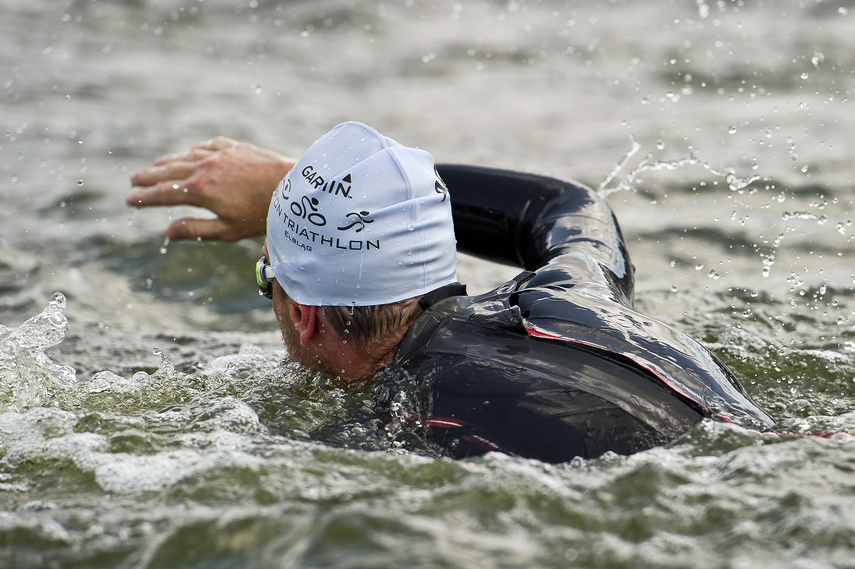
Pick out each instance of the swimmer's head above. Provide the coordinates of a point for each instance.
(361, 221)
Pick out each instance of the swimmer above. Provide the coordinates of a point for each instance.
(360, 262)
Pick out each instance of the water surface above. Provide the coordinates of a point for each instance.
(147, 417)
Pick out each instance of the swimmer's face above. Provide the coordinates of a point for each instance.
(283, 305)
(281, 309)
(282, 312)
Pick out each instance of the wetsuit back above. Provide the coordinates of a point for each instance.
(556, 363)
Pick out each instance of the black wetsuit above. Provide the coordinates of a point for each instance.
(556, 363)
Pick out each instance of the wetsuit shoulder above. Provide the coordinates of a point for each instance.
(487, 384)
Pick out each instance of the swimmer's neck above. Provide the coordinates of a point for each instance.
(354, 361)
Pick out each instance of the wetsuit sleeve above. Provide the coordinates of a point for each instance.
(533, 221)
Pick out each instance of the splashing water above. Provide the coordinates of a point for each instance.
(28, 376)
(649, 164)
(288, 399)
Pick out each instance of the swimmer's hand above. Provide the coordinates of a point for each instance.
(233, 180)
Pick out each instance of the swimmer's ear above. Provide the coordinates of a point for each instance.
(305, 319)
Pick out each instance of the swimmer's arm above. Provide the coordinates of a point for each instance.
(233, 180)
(527, 220)
(562, 230)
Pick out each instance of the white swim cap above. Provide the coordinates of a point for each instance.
(359, 221)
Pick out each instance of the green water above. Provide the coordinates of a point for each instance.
(147, 418)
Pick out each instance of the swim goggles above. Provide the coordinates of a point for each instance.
(264, 276)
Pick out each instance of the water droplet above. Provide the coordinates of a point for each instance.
(58, 300)
(731, 129)
(79, 182)
(164, 246)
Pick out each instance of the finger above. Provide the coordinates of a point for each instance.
(198, 151)
(217, 143)
(157, 174)
(195, 154)
(196, 228)
(163, 193)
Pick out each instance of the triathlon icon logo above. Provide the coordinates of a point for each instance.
(357, 218)
(302, 209)
(306, 208)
